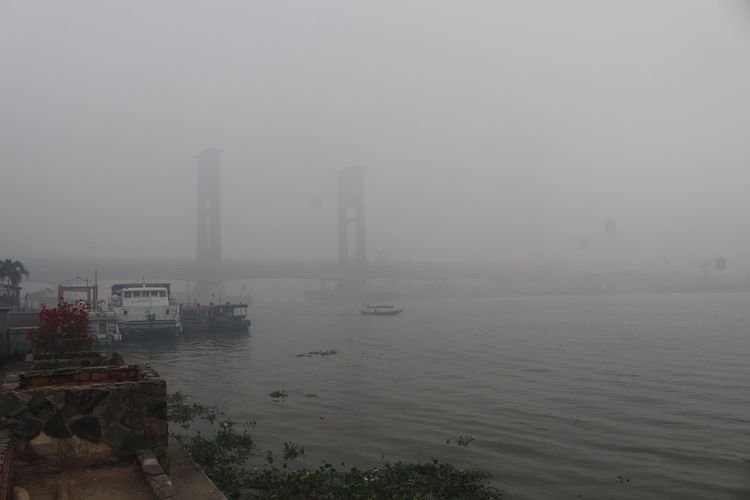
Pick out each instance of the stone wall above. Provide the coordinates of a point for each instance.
(78, 376)
(103, 418)
(6, 465)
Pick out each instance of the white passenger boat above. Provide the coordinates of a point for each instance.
(145, 309)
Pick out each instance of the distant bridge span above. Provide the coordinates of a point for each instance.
(351, 266)
(55, 271)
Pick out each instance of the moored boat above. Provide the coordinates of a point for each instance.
(215, 318)
(144, 309)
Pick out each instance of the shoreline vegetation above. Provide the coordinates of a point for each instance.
(227, 454)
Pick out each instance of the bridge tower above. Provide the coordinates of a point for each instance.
(351, 232)
(351, 227)
(208, 209)
(208, 225)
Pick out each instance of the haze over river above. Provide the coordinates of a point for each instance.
(561, 394)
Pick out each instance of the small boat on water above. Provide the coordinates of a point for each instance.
(369, 310)
(215, 318)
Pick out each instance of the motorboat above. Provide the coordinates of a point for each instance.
(380, 310)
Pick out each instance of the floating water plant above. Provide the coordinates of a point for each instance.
(292, 451)
(462, 440)
(277, 395)
(310, 354)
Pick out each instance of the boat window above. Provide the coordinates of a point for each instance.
(125, 312)
(153, 293)
(128, 295)
(137, 295)
(166, 311)
(162, 293)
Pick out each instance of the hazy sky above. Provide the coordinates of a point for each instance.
(505, 132)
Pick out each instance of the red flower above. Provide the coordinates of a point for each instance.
(64, 328)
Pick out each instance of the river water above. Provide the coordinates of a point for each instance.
(604, 397)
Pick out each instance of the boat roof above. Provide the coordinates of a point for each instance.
(119, 287)
(205, 307)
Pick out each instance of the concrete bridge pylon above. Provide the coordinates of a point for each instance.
(352, 251)
(208, 224)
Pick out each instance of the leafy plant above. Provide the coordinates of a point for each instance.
(292, 451)
(183, 413)
(432, 480)
(62, 329)
(222, 456)
(13, 271)
(225, 457)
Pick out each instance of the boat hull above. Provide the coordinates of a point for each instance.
(144, 329)
(217, 327)
(391, 312)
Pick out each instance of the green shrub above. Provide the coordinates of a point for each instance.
(226, 454)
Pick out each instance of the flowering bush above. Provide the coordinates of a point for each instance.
(64, 328)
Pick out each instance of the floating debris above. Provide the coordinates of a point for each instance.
(310, 354)
(462, 440)
(278, 395)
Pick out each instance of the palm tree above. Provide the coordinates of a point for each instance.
(13, 271)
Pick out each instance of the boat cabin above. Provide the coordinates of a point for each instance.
(215, 317)
(145, 297)
(143, 294)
